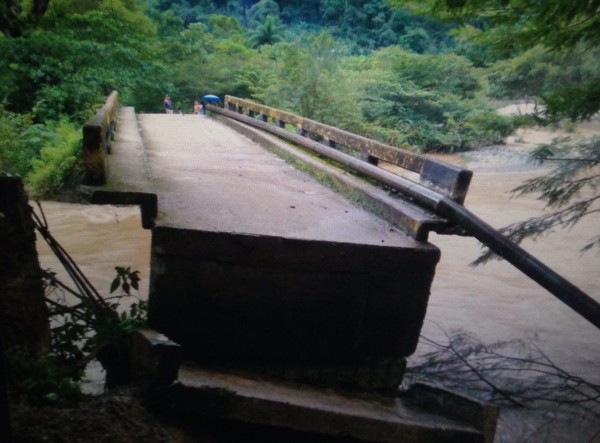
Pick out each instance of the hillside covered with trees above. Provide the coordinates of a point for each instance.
(373, 67)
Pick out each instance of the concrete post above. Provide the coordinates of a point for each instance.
(330, 143)
(364, 155)
(97, 137)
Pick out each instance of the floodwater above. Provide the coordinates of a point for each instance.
(497, 302)
(98, 238)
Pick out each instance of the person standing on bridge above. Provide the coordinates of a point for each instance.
(168, 104)
(197, 107)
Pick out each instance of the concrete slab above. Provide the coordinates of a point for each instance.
(212, 178)
(369, 418)
(249, 298)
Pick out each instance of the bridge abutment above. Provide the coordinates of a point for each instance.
(296, 305)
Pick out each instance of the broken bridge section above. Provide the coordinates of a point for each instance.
(258, 270)
(255, 262)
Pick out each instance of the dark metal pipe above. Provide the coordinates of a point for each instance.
(558, 286)
(454, 212)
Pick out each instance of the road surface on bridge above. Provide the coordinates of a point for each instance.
(209, 177)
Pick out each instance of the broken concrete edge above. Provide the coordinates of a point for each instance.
(405, 216)
(226, 404)
(381, 376)
(242, 249)
(155, 359)
(482, 416)
(367, 416)
(148, 202)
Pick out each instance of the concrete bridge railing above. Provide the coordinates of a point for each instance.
(97, 139)
(449, 180)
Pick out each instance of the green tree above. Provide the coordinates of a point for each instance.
(259, 12)
(267, 33)
(417, 40)
(308, 80)
(208, 58)
(20, 142)
(57, 167)
(16, 16)
(55, 74)
(252, 80)
(539, 73)
(222, 26)
(558, 24)
(570, 191)
(431, 101)
(512, 26)
(70, 62)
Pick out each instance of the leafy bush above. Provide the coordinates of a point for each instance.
(80, 332)
(492, 126)
(59, 163)
(434, 102)
(43, 380)
(20, 142)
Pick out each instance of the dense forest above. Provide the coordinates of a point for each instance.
(381, 68)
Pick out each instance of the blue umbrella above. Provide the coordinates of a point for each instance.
(211, 98)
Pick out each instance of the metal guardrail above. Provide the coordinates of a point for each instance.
(97, 139)
(447, 179)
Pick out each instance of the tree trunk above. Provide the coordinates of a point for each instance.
(23, 312)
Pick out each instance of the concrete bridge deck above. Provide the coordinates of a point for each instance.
(208, 176)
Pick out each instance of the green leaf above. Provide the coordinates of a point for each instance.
(52, 396)
(115, 284)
